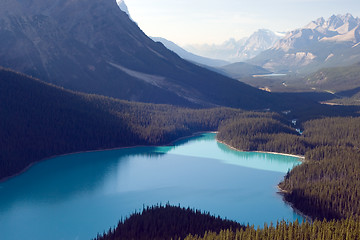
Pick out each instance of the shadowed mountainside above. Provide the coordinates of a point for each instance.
(94, 47)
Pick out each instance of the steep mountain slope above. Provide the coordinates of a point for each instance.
(342, 82)
(337, 79)
(258, 42)
(188, 55)
(322, 43)
(93, 46)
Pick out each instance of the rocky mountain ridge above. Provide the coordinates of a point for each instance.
(92, 46)
(321, 43)
(258, 42)
(238, 50)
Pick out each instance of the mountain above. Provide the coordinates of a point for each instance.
(342, 82)
(94, 47)
(123, 7)
(258, 42)
(189, 56)
(225, 51)
(321, 43)
(337, 79)
(238, 50)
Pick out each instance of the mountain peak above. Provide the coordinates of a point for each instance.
(337, 28)
(335, 22)
(259, 41)
(123, 6)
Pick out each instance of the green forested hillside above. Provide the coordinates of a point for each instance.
(327, 184)
(344, 82)
(269, 132)
(336, 79)
(39, 120)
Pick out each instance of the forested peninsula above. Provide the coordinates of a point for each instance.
(327, 184)
(171, 222)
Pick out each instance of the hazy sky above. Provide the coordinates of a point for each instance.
(210, 21)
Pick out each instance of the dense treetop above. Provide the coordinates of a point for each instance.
(167, 222)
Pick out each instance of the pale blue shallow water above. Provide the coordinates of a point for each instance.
(76, 196)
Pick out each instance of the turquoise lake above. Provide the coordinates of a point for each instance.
(76, 196)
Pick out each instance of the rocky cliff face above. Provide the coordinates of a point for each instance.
(258, 42)
(238, 50)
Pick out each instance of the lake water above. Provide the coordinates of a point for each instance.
(76, 196)
(271, 75)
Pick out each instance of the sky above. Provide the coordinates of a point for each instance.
(213, 22)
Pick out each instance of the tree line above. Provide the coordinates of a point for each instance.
(173, 222)
(348, 229)
(167, 222)
(327, 184)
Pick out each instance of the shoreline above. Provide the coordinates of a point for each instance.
(280, 191)
(283, 192)
(99, 150)
(275, 153)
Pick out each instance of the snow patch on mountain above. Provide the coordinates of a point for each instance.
(123, 7)
(330, 56)
(349, 36)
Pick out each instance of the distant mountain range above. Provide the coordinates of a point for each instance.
(226, 51)
(321, 43)
(94, 47)
(238, 50)
(190, 56)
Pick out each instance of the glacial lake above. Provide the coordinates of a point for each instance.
(76, 196)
